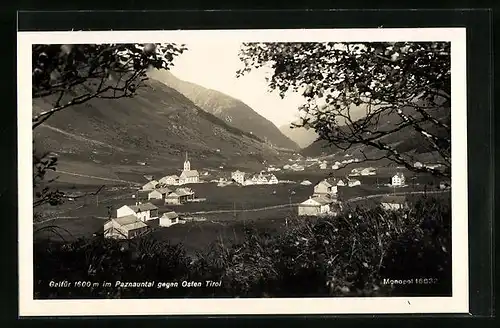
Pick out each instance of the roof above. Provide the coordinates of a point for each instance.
(130, 222)
(143, 192)
(173, 195)
(399, 174)
(189, 174)
(393, 199)
(143, 207)
(182, 192)
(164, 190)
(170, 215)
(318, 200)
(329, 182)
(323, 200)
(169, 177)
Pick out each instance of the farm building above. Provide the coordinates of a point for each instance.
(393, 202)
(150, 185)
(164, 191)
(173, 199)
(238, 176)
(326, 187)
(185, 194)
(315, 206)
(125, 227)
(170, 180)
(306, 183)
(168, 219)
(143, 212)
(398, 180)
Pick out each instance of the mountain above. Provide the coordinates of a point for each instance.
(301, 136)
(156, 126)
(229, 109)
(406, 140)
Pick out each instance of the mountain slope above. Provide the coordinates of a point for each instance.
(157, 126)
(407, 140)
(230, 110)
(301, 136)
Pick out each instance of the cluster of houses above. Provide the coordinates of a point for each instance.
(136, 220)
(187, 176)
(363, 171)
(323, 200)
(246, 179)
(293, 167)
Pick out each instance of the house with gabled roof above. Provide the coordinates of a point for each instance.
(315, 206)
(326, 187)
(125, 227)
(143, 211)
(169, 218)
(398, 180)
(170, 180)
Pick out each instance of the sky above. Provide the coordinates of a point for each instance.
(213, 65)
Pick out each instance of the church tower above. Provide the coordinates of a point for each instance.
(187, 165)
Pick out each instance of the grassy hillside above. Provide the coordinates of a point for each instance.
(230, 110)
(155, 127)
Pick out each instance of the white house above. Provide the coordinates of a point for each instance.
(393, 202)
(326, 187)
(306, 183)
(418, 165)
(125, 227)
(335, 167)
(368, 171)
(170, 180)
(315, 206)
(322, 166)
(143, 212)
(353, 183)
(341, 183)
(154, 194)
(238, 176)
(150, 185)
(168, 219)
(398, 180)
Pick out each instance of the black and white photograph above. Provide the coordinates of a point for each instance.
(243, 171)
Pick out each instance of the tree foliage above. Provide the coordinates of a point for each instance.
(366, 93)
(65, 75)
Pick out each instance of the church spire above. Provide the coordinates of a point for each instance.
(187, 165)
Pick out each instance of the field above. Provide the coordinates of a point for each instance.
(225, 211)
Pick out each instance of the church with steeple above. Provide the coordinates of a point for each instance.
(188, 175)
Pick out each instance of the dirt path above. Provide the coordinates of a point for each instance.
(98, 178)
(355, 199)
(75, 136)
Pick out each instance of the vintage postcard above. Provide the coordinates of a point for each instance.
(242, 172)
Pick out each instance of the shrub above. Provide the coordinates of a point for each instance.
(347, 255)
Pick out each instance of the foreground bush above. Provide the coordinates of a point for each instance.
(353, 254)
